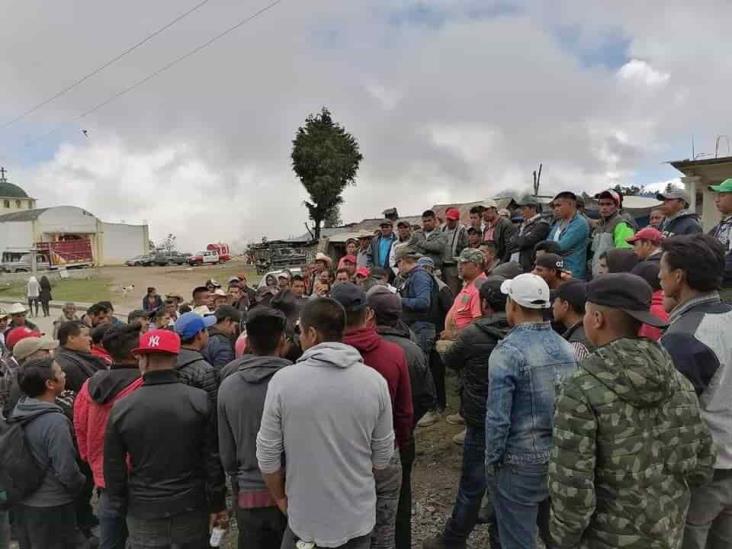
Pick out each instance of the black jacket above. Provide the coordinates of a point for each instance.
(220, 350)
(420, 377)
(534, 232)
(196, 372)
(470, 353)
(168, 431)
(685, 223)
(78, 366)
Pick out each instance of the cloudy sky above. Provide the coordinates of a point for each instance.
(451, 100)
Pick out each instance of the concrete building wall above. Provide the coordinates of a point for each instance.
(119, 242)
(16, 235)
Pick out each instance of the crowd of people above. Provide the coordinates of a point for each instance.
(594, 361)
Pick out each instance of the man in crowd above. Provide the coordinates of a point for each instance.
(474, 238)
(404, 239)
(489, 249)
(655, 218)
(221, 337)
(191, 365)
(469, 356)
(420, 304)
(533, 229)
(363, 257)
(202, 298)
(390, 361)
(387, 309)
(466, 306)
(342, 275)
(568, 310)
(74, 354)
(430, 241)
(550, 267)
(647, 244)
(612, 229)
(298, 287)
(331, 419)
(140, 317)
(92, 408)
(723, 231)
(67, 313)
(698, 339)
(498, 229)
(171, 308)
(571, 232)
(161, 462)
(476, 219)
(456, 241)
(46, 517)
(678, 219)
(97, 314)
(615, 478)
(381, 245)
(18, 318)
(524, 372)
(240, 405)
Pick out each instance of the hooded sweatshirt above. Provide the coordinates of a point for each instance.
(240, 405)
(629, 440)
(48, 433)
(331, 417)
(92, 408)
(390, 361)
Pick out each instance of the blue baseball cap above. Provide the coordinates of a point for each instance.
(189, 324)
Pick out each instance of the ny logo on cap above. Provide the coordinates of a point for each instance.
(154, 341)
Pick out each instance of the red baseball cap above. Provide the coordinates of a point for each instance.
(19, 333)
(452, 214)
(158, 341)
(615, 196)
(362, 271)
(647, 233)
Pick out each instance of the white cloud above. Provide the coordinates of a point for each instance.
(456, 105)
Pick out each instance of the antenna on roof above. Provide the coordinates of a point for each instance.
(537, 180)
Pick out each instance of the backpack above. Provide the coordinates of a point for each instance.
(20, 473)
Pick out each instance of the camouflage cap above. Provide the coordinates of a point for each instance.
(471, 255)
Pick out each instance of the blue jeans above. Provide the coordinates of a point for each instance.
(520, 498)
(470, 493)
(112, 525)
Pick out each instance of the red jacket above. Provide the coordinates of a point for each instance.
(92, 407)
(101, 352)
(389, 360)
(656, 310)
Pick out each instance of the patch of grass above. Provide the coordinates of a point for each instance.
(86, 291)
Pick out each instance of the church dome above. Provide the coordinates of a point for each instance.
(9, 190)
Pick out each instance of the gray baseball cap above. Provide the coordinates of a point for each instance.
(679, 194)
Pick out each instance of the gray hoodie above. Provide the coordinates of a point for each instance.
(331, 417)
(240, 405)
(48, 432)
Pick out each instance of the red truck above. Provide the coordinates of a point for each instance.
(222, 249)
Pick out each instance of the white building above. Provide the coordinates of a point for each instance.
(22, 228)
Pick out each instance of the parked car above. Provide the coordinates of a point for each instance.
(205, 257)
(140, 261)
(20, 262)
(168, 258)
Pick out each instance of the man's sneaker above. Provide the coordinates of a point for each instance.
(438, 543)
(459, 439)
(430, 418)
(455, 419)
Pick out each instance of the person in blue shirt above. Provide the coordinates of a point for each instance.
(381, 246)
(572, 232)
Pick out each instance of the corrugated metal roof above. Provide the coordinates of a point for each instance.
(23, 215)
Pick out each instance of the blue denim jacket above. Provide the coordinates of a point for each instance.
(525, 371)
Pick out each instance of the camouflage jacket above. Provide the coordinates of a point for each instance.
(628, 442)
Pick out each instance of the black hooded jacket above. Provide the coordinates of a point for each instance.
(78, 366)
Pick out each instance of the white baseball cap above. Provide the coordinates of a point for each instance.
(489, 203)
(528, 290)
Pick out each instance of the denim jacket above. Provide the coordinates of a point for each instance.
(573, 238)
(525, 371)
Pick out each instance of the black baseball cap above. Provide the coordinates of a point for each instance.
(386, 304)
(627, 292)
(573, 292)
(350, 296)
(550, 261)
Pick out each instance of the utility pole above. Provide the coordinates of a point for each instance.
(537, 180)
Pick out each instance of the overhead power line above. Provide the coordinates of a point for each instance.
(169, 65)
(99, 69)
